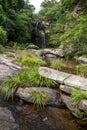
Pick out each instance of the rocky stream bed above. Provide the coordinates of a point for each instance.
(20, 113)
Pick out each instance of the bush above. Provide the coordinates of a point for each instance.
(78, 95)
(82, 69)
(57, 65)
(3, 36)
(33, 61)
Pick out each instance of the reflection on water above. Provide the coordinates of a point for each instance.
(49, 119)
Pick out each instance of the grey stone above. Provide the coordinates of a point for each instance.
(83, 105)
(66, 89)
(32, 46)
(76, 81)
(25, 94)
(53, 74)
(36, 52)
(7, 121)
(7, 69)
(68, 102)
(82, 60)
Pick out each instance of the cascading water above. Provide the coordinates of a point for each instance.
(43, 41)
(38, 34)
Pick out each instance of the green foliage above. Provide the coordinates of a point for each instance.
(1, 49)
(58, 65)
(32, 78)
(78, 95)
(40, 99)
(33, 61)
(9, 87)
(3, 36)
(82, 69)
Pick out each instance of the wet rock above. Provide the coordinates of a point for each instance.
(66, 89)
(68, 102)
(32, 46)
(54, 96)
(82, 60)
(83, 105)
(76, 81)
(53, 74)
(7, 121)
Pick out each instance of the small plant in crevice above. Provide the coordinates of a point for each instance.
(81, 69)
(58, 65)
(40, 99)
(78, 95)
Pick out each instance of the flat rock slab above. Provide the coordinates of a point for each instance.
(7, 121)
(25, 94)
(83, 105)
(76, 81)
(53, 74)
(66, 89)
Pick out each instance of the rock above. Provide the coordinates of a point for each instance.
(7, 121)
(7, 69)
(25, 94)
(66, 89)
(83, 105)
(50, 56)
(36, 52)
(76, 81)
(82, 60)
(53, 74)
(32, 46)
(67, 101)
(55, 52)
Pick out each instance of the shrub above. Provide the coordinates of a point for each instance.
(31, 77)
(32, 61)
(1, 49)
(9, 87)
(78, 95)
(57, 65)
(40, 99)
(82, 69)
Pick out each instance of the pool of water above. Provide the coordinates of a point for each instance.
(51, 118)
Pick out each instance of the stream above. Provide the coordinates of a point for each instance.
(51, 118)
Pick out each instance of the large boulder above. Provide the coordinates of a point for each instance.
(54, 74)
(54, 96)
(7, 121)
(76, 81)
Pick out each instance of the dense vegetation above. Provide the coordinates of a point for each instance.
(15, 21)
(68, 26)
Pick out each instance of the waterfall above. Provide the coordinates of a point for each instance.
(43, 42)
